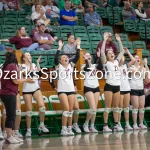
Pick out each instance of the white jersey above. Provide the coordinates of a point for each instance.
(30, 87)
(65, 80)
(112, 73)
(136, 82)
(125, 85)
(91, 79)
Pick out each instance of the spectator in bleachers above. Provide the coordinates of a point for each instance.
(77, 5)
(40, 14)
(109, 44)
(13, 4)
(92, 18)
(36, 29)
(148, 11)
(44, 39)
(147, 91)
(23, 41)
(51, 10)
(40, 3)
(68, 16)
(92, 2)
(71, 46)
(140, 11)
(128, 12)
(3, 5)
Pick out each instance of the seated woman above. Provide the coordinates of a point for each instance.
(40, 14)
(140, 11)
(147, 91)
(128, 12)
(22, 41)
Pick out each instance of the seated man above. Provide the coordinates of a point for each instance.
(44, 39)
(68, 16)
(92, 18)
(13, 4)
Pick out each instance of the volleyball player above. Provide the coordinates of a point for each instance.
(91, 90)
(65, 87)
(137, 91)
(33, 90)
(112, 86)
(125, 90)
(9, 90)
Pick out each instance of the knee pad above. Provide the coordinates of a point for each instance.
(0, 114)
(70, 114)
(42, 109)
(115, 109)
(142, 110)
(134, 111)
(107, 110)
(126, 110)
(4, 111)
(66, 113)
(120, 110)
(92, 111)
(29, 113)
(77, 111)
(18, 112)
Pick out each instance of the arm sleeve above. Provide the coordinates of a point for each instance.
(56, 58)
(99, 64)
(86, 67)
(140, 14)
(75, 60)
(51, 81)
(12, 40)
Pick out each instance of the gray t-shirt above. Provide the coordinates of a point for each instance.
(43, 36)
(69, 49)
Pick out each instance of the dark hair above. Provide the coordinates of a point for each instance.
(138, 3)
(22, 61)
(10, 59)
(35, 21)
(68, 35)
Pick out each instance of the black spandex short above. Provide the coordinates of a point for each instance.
(137, 92)
(88, 89)
(67, 93)
(124, 92)
(30, 92)
(111, 88)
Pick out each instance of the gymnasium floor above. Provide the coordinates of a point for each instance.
(118, 141)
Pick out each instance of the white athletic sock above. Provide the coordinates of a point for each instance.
(92, 125)
(41, 124)
(70, 127)
(29, 129)
(127, 123)
(63, 127)
(86, 123)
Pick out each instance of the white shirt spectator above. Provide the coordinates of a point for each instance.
(140, 14)
(35, 15)
(52, 10)
(42, 7)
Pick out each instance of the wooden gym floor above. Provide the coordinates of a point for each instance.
(137, 140)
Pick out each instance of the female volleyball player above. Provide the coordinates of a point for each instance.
(32, 90)
(8, 92)
(112, 86)
(91, 90)
(125, 90)
(65, 87)
(137, 91)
